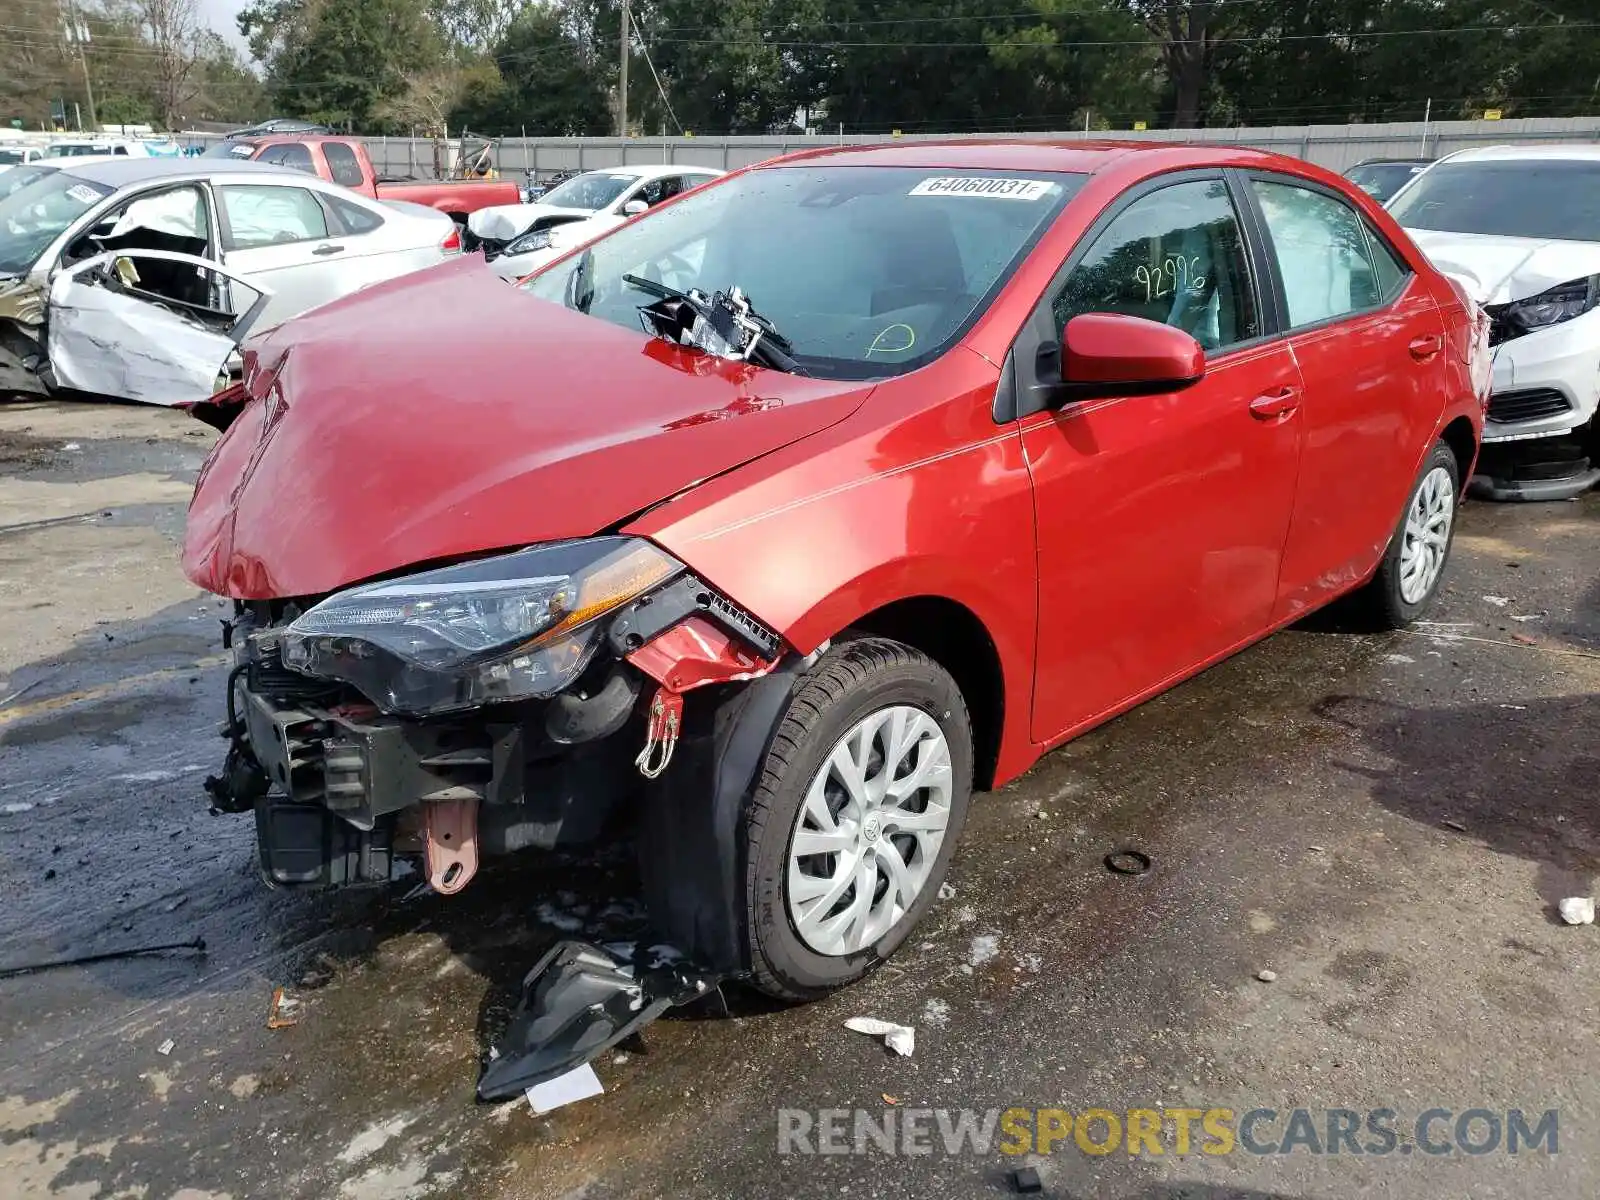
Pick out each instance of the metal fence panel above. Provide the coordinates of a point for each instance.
(1336, 147)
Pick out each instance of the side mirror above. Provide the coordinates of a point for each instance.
(634, 207)
(1111, 354)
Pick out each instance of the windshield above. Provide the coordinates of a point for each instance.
(1382, 180)
(36, 211)
(589, 192)
(75, 150)
(1529, 198)
(9, 157)
(867, 271)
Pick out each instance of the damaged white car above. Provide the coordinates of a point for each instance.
(134, 278)
(519, 238)
(1520, 227)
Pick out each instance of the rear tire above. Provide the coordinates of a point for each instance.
(1414, 563)
(871, 698)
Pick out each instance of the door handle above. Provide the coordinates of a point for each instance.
(328, 248)
(1272, 405)
(1425, 347)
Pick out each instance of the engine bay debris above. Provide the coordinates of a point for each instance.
(579, 1001)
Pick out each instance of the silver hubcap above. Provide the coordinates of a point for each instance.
(1427, 535)
(869, 831)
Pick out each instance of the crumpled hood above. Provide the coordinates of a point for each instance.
(505, 221)
(1497, 270)
(444, 414)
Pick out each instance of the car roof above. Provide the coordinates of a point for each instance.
(1494, 153)
(122, 171)
(1079, 157)
(635, 171)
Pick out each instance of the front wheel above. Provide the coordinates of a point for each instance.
(1413, 566)
(862, 798)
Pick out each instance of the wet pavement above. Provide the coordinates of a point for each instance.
(1383, 821)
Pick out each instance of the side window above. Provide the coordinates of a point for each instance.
(1175, 256)
(269, 216)
(289, 154)
(342, 164)
(1390, 270)
(654, 192)
(1322, 251)
(352, 216)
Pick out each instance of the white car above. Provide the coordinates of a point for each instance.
(15, 155)
(123, 259)
(1520, 226)
(95, 147)
(521, 237)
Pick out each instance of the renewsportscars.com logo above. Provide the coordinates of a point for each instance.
(1375, 1132)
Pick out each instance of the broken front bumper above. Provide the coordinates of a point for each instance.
(340, 790)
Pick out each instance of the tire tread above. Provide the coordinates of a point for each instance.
(847, 666)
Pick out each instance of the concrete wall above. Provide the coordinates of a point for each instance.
(1334, 146)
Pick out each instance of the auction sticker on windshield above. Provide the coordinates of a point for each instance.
(984, 186)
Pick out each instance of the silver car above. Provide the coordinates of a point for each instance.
(135, 278)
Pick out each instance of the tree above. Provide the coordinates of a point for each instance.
(339, 62)
(172, 30)
(545, 83)
(1187, 33)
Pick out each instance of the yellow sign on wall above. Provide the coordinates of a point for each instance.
(1491, 114)
(1140, 127)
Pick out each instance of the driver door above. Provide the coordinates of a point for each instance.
(109, 335)
(1161, 518)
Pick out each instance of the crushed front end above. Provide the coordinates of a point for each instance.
(514, 701)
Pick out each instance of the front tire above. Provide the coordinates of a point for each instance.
(861, 800)
(1414, 563)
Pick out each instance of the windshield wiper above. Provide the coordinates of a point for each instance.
(727, 326)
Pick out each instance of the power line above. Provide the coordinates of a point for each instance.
(1258, 39)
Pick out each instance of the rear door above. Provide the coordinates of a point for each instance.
(1369, 340)
(1161, 518)
(280, 234)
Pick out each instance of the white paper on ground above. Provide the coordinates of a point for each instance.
(577, 1084)
(1578, 910)
(899, 1038)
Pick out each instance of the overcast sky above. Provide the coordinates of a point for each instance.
(220, 14)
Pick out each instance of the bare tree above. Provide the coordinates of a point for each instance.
(173, 28)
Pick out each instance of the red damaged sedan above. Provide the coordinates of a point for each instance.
(784, 518)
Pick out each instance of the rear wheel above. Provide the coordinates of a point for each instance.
(861, 801)
(1413, 566)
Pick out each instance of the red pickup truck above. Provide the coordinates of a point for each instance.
(344, 161)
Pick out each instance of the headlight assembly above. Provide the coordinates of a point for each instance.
(514, 627)
(1550, 307)
(539, 239)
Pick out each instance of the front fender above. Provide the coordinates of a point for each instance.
(816, 536)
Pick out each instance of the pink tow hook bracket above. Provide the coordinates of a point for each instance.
(687, 656)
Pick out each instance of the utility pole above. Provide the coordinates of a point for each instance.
(622, 77)
(78, 33)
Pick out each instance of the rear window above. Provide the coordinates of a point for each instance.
(230, 150)
(290, 154)
(1382, 180)
(1528, 198)
(342, 164)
